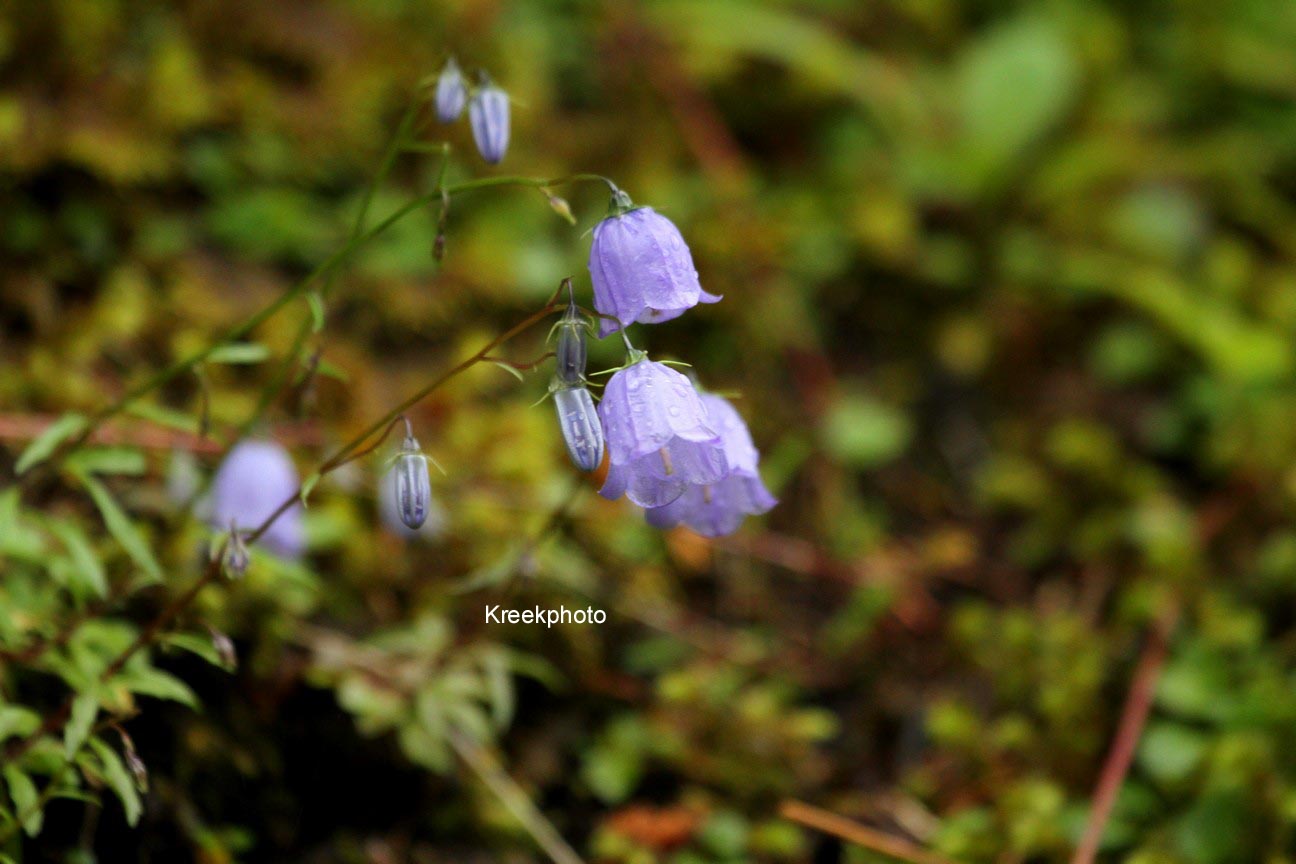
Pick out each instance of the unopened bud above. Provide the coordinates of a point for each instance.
(581, 429)
(451, 93)
(236, 555)
(413, 484)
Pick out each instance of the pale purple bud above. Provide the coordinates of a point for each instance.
(716, 509)
(255, 479)
(658, 438)
(413, 484)
(488, 112)
(641, 268)
(434, 525)
(451, 92)
(569, 351)
(580, 426)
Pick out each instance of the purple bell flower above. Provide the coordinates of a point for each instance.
(716, 509)
(641, 268)
(451, 92)
(658, 438)
(488, 112)
(255, 478)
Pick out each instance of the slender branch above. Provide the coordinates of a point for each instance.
(240, 330)
(1138, 704)
(280, 379)
(860, 835)
(514, 798)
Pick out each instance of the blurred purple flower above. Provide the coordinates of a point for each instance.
(488, 112)
(255, 478)
(716, 509)
(658, 437)
(451, 93)
(641, 268)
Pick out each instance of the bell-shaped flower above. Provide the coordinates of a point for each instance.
(658, 438)
(641, 268)
(255, 479)
(488, 113)
(716, 509)
(451, 92)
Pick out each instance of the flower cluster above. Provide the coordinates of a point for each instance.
(488, 109)
(686, 458)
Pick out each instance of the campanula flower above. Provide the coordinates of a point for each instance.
(451, 92)
(716, 509)
(580, 426)
(413, 484)
(570, 354)
(250, 485)
(658, 437)
(488, 112)
(641, 268)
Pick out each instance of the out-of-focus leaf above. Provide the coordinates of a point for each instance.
(119, 780)
(26, 799)
(122, 529)
(85, 707)
(44, 444)
(239, 353)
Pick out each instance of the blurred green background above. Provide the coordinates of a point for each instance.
(1010, 298)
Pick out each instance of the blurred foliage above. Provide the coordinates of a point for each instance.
(1010, 298)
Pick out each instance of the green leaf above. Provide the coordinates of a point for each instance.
(329, 370)
(202, 646)
(109, 460)
(85, 707)
(89, 573)
(17, 720)
(316, 303)
(167, 417)
(55, 434)
(25, 797)
(147, 681)
(119, 780)
(239, 353)
(121, 527)
(865, 433)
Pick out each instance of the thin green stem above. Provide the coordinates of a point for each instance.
(280, 378)
(513, 797)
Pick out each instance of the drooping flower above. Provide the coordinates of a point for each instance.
(658, 437)
(488, 112)
(580, 426)
(718, 508)
(451, 92)
(255, 479)
(641, 268)
(413, 485)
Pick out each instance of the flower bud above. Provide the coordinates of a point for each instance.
(489, 115)
(580, 426)
(236, 555)
(570, 353)
(451, 93)
(413, 485)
